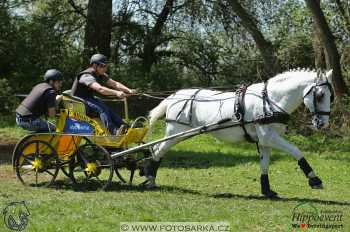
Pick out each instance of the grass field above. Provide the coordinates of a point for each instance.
(200, 180)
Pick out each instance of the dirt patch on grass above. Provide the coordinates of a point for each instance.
(7, 173)
(7, 141)
(6, 147)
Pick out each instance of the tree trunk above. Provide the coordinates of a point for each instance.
(153, 37)
(98, 27)
(320, 59)
(328, 42)
(265, 47)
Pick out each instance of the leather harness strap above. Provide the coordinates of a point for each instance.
(240, 111)
(193, 96)
(270, 115)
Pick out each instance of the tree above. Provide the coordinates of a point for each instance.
(327, 39)
(265, 47)
(154, 37)
(345, 13)
(98, 27)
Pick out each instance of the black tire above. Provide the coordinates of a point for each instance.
(42, 163)
(18, 146)
(126, 168)
(92, 167)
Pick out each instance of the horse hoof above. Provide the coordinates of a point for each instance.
(317, 186)
(150, 183)
(315, 183)
(151, 186)
(271, 194)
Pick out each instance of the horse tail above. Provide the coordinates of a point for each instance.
(157, 112)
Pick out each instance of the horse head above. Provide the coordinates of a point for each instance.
(318, 97)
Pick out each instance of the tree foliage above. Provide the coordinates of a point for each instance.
(165, 44)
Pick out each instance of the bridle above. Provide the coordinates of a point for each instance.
(313, 89)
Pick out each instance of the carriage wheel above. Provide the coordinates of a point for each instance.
(93, 167)
(36, 163)
(18, 146)
(126, 168)
(65, 164)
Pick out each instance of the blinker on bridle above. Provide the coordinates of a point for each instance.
(316, 98)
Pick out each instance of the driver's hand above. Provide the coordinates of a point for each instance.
(133, 91)
(120, 94)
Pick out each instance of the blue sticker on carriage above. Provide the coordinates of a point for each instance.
(74, 126)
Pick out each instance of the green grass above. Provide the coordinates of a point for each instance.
(9, 132)
(201, 179)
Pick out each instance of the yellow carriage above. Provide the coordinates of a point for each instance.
(81, 147)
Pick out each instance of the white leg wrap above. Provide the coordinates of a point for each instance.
(268, 137)
(264, 159)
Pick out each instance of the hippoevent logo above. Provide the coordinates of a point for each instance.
(306, 216)
(16, 216)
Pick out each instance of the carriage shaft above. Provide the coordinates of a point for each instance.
(186, 134)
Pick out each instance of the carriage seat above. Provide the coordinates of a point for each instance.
(77, 104)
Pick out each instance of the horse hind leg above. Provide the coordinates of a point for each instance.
(264, 178)
(150, 166)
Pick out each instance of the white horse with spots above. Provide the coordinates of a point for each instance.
(285, 93)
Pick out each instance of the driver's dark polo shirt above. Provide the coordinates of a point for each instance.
(81, 86)
(39, 100)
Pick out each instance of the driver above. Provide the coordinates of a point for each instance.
(94, 80)
(40, 101)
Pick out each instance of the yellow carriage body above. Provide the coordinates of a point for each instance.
(66, 144)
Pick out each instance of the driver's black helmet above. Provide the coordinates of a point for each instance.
(53, 74)
(98, 59)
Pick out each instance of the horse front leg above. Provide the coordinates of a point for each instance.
(269, 137)
(264, 169)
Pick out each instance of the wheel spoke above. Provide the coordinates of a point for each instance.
(36, 178)
(28, 160)
(37, 151)
(105, 166)
(49, 172)
(32, 161)
(27, 171)
(80, 169)
(92, 153)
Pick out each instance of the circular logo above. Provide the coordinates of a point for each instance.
(16, 215)
(124, 227)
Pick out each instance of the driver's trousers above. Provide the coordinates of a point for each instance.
(111, 120)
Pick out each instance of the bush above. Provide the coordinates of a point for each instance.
(300, 122)
(7, 100)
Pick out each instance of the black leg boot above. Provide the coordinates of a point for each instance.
(314, 182)
(145, 164)
(149, 170)
(265, 187)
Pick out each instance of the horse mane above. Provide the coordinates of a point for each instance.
(302, 73)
